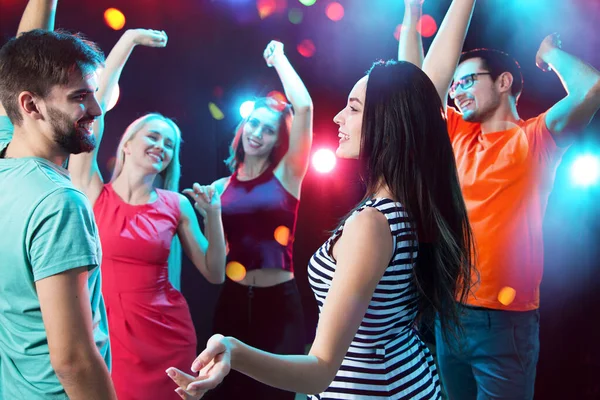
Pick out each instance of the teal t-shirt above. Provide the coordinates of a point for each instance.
(6, 129)
(47, 228)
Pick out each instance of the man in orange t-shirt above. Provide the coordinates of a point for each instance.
(506, 167)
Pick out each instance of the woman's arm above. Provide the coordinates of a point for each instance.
(295, 163)
(410, 45)
(38, 14)
(207, 253)
(83, 167)
(363, 253)
(444, 53)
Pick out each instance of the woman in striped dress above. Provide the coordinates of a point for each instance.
(403, 251)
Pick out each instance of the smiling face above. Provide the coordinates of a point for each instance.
(261, 132)
(481, 100)
(350, 121)
(152, 147)
(71, 110)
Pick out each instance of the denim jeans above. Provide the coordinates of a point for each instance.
(494, 357)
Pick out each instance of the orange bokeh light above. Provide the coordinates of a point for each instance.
(282, 235)
(265, 8)
(114, 18)
(280, 100)
(506, 295)
(235, 271)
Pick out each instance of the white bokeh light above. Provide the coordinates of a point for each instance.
(323, 160)
(246, 108)
(585, 170)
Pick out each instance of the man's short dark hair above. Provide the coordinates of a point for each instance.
(38, 60)
(496, 63)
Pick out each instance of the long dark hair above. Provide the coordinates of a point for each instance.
(405, 146)
(236, 149)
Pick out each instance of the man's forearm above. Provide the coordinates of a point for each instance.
(577, 76)
(87, 379)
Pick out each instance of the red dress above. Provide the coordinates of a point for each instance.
(149, 321)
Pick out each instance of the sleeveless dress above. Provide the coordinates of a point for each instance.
(386, 359)
(149, 321)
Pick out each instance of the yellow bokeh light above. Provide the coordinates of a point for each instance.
(114, 18)
(506, 295)
(235, 271)
(282, 235)
(215, 111)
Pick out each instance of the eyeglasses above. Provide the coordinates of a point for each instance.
(465, 82)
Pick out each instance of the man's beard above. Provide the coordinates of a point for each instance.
(66, 134)
(483, 114)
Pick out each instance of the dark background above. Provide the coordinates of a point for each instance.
(219, 44)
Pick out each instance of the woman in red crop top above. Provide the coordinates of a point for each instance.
(269, 157)
(138, 214)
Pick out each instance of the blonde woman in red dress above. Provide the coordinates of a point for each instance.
(138, 213)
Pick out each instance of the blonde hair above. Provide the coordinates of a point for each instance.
(169, 178)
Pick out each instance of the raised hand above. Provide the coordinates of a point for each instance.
(549, 43)
(213, 365)
(206, 198)
(149, 37)
(273, 52)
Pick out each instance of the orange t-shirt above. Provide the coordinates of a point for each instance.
(506, 178)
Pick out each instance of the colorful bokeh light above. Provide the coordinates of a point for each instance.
(427, 26)
(277, 95)
(398, 31)
(334, 11)
(246, 108)
(218, 92)
(114, 18)
(295, 15)
(506, 295)
(235, 271)
(306, 48)
(585, 170)
(282, 235)
(215, 111)
(265, 8)
(324, 160)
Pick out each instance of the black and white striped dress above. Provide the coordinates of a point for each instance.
(387, 359)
